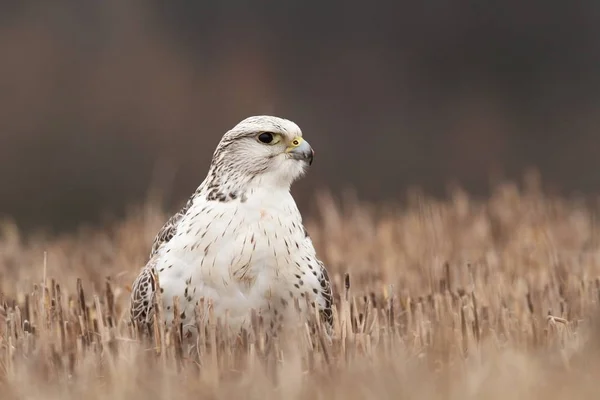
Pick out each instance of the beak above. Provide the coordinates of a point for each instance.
(299, 149)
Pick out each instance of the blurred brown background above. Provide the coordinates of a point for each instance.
(100, 100)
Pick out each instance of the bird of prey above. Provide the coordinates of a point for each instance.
(239, 241)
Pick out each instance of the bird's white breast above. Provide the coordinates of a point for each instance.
(239, 255)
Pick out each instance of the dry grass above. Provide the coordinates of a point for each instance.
(446, 300)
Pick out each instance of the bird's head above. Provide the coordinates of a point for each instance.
(263, 150)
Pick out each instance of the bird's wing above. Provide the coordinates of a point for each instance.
(326, 311)
(144, 286)
(142, 295)
(326, 292)
(168, 230)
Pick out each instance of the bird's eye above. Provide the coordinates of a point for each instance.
(265, 137)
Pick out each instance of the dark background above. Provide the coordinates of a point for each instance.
(101, 100)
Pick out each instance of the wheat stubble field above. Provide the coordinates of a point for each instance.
(457, 299)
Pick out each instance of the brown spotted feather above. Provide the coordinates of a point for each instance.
(168, 230)
(142, 296)
(144, 286)
(326, 312)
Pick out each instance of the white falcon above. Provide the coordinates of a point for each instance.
(239, 240)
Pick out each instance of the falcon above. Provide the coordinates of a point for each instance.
(239, 243)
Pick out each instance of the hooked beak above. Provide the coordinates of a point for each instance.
(299, 149)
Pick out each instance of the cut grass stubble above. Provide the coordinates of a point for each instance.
(455, 299)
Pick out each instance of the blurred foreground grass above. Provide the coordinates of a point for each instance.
(489, 299)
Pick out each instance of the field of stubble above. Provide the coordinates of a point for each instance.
(460, 299)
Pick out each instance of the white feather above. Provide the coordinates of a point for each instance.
(224, 239)
(245, 249)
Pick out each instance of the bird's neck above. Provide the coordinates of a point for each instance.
(223, 186)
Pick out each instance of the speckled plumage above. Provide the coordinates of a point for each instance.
(239, 241)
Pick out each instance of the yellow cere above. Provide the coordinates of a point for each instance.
(295, 143)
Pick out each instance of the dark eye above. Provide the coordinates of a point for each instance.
(266, 137)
